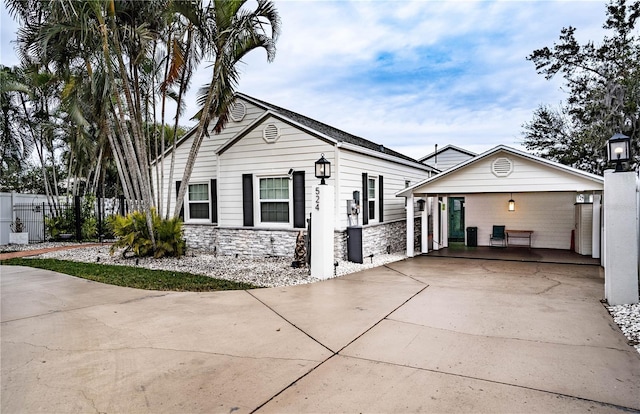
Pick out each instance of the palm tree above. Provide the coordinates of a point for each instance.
(233, 31)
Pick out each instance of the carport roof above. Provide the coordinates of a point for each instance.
(463, 178)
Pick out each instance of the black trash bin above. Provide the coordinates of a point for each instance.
(354, 244)
(472, 236)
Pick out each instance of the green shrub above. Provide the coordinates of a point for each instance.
(133, 235)
(65, 221)
(62, 223)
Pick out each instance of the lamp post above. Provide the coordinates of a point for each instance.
(619, 150)
(323, 169)
(323, 223)
(620, 226)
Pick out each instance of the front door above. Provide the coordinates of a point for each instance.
(456, 219)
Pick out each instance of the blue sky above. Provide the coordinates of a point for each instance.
(408, 74)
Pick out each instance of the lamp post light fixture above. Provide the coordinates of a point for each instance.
(323, 169)
(619, 150)
(512, 204)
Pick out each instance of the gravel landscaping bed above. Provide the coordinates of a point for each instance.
(627, 317)
(266, 272)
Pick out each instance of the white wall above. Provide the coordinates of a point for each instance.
(353, 164)
(447, 159)
(7, 200)
(253, 155)
(206, 162)
(549, 215)
(526, 176)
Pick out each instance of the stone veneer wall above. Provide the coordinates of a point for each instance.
(230, 241)
(377, 239)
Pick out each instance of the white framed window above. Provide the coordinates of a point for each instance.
(372, 198)
(198, 203)
(275, 201)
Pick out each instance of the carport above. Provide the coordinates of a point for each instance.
(560, 206)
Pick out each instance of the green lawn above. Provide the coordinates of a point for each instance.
(133, 277)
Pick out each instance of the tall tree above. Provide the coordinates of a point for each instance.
(603, 83)
(233, 31)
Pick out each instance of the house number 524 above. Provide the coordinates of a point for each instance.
(317, 198)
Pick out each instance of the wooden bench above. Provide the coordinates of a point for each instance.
(519, 234)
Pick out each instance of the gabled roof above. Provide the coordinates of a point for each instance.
(503, 148)
(326, 130)
(316, 128)
(448, 147)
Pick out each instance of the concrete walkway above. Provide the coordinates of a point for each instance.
(428, 334)
(37, 252)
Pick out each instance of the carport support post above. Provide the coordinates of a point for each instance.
(410, 226)
(424, 230)
(322, 227)
(620, 237)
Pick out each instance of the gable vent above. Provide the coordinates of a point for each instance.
(238, 111)
(270, 133)
(502, 167)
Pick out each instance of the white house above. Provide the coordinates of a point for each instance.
(250, 192)
(446, 157)
(555, 205)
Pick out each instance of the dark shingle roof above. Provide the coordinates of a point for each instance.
(328, 130)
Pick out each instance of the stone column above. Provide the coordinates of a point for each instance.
(621, 237)
(322, 226)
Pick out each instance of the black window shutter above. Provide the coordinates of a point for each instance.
(247, 200)
(298, 199)
(177, 192)
(365, 199)
(380, 199)
(213, 189)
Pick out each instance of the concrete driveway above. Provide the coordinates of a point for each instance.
(428, 334)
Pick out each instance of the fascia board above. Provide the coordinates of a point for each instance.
(383, 156)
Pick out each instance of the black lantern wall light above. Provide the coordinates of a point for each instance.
(323, 169)
(619, 150)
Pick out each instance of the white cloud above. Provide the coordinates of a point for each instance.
(412, 74)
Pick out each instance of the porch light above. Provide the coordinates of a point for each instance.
(421, 202)
(323, 169)
(619, 150)
(512, 204)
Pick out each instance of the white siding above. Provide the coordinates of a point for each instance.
(584, 229)
(252, 155)
(549, 215)
(205, 165)
(526, 176)
(447, 159)
(352, 165)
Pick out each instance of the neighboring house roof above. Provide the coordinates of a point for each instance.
(447, 157)
(450, 174)
(448, 147)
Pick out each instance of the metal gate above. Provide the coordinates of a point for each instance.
(32, 217)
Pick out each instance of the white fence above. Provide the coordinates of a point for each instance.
(7, 214)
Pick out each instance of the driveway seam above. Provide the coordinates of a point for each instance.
(333, 354)
(536, 341)
(87, 307)
(617, 406)
(382, 319)
(404, 274)
(289, 322)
